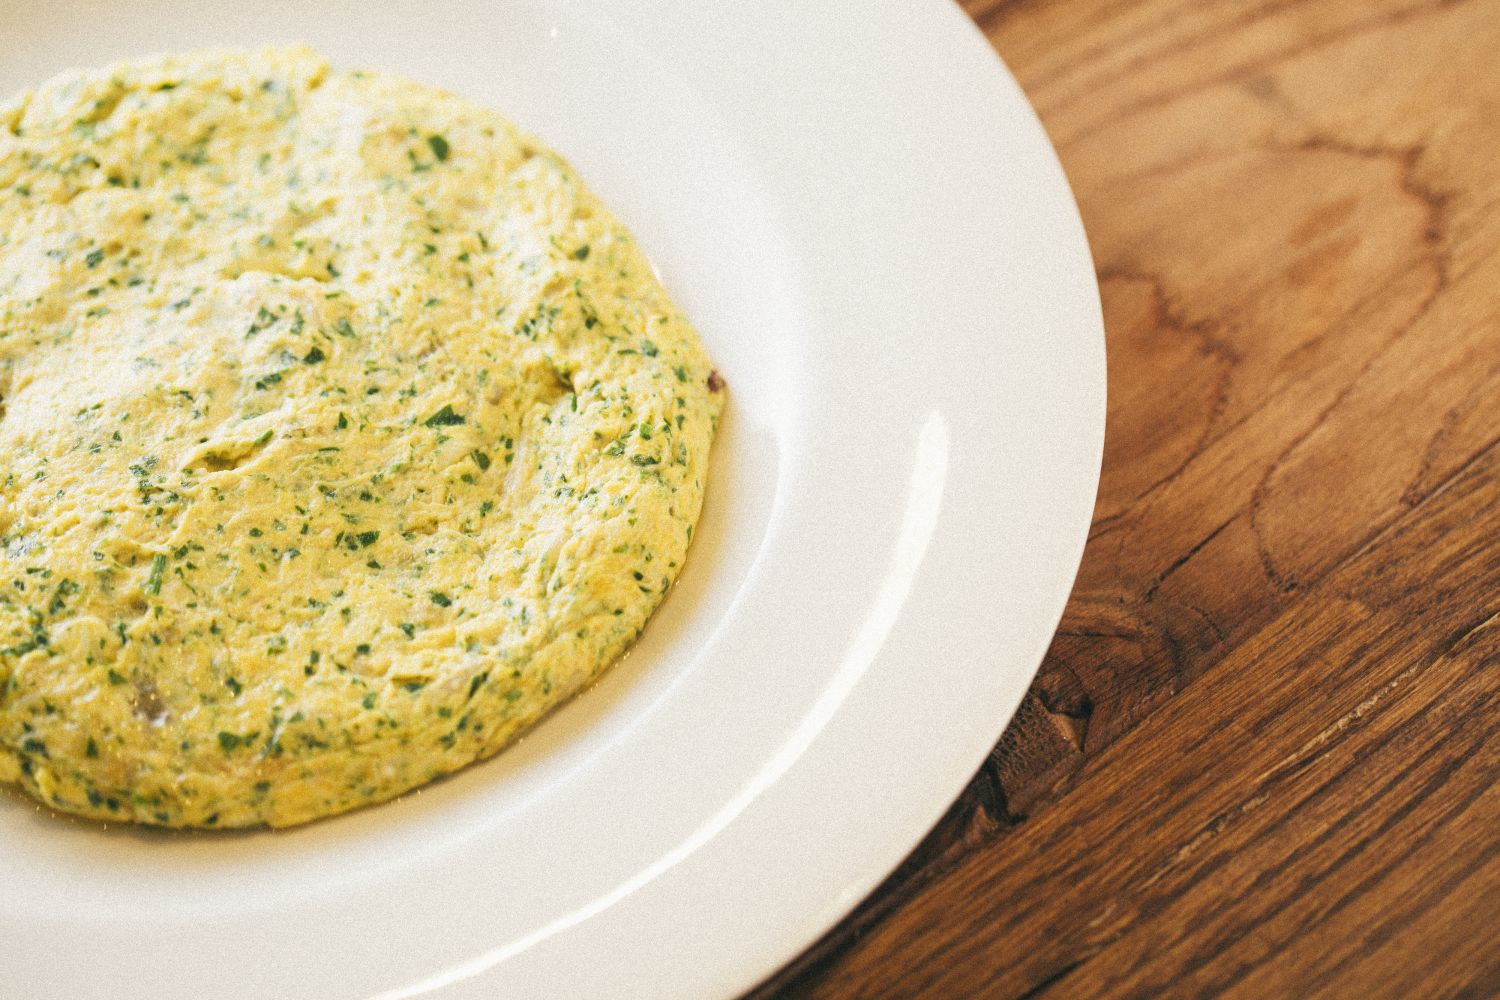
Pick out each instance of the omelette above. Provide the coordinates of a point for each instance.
(343, 434)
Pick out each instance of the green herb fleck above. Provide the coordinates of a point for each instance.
(478, 682)
(153, 578)
(439, 598)
(444, 417)
(440, 147)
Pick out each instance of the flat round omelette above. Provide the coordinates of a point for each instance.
(344, 434)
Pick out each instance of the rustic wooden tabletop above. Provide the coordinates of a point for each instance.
(1261, 757)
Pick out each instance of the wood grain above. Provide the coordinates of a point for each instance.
(1261, 757)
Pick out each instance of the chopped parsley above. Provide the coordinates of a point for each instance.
(229, 742)
(153, 577)
(445, 417)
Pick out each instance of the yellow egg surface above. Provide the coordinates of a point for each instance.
(344, 434)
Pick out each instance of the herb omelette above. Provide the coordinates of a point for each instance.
(344, 434)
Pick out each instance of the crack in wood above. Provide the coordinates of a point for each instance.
(1182, 560)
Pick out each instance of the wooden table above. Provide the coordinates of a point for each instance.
(1260, 758)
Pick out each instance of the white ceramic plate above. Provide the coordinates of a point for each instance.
(856, 205)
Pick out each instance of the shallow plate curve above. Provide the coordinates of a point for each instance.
(856, 205)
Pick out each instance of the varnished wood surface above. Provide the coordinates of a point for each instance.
(1260, 759)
